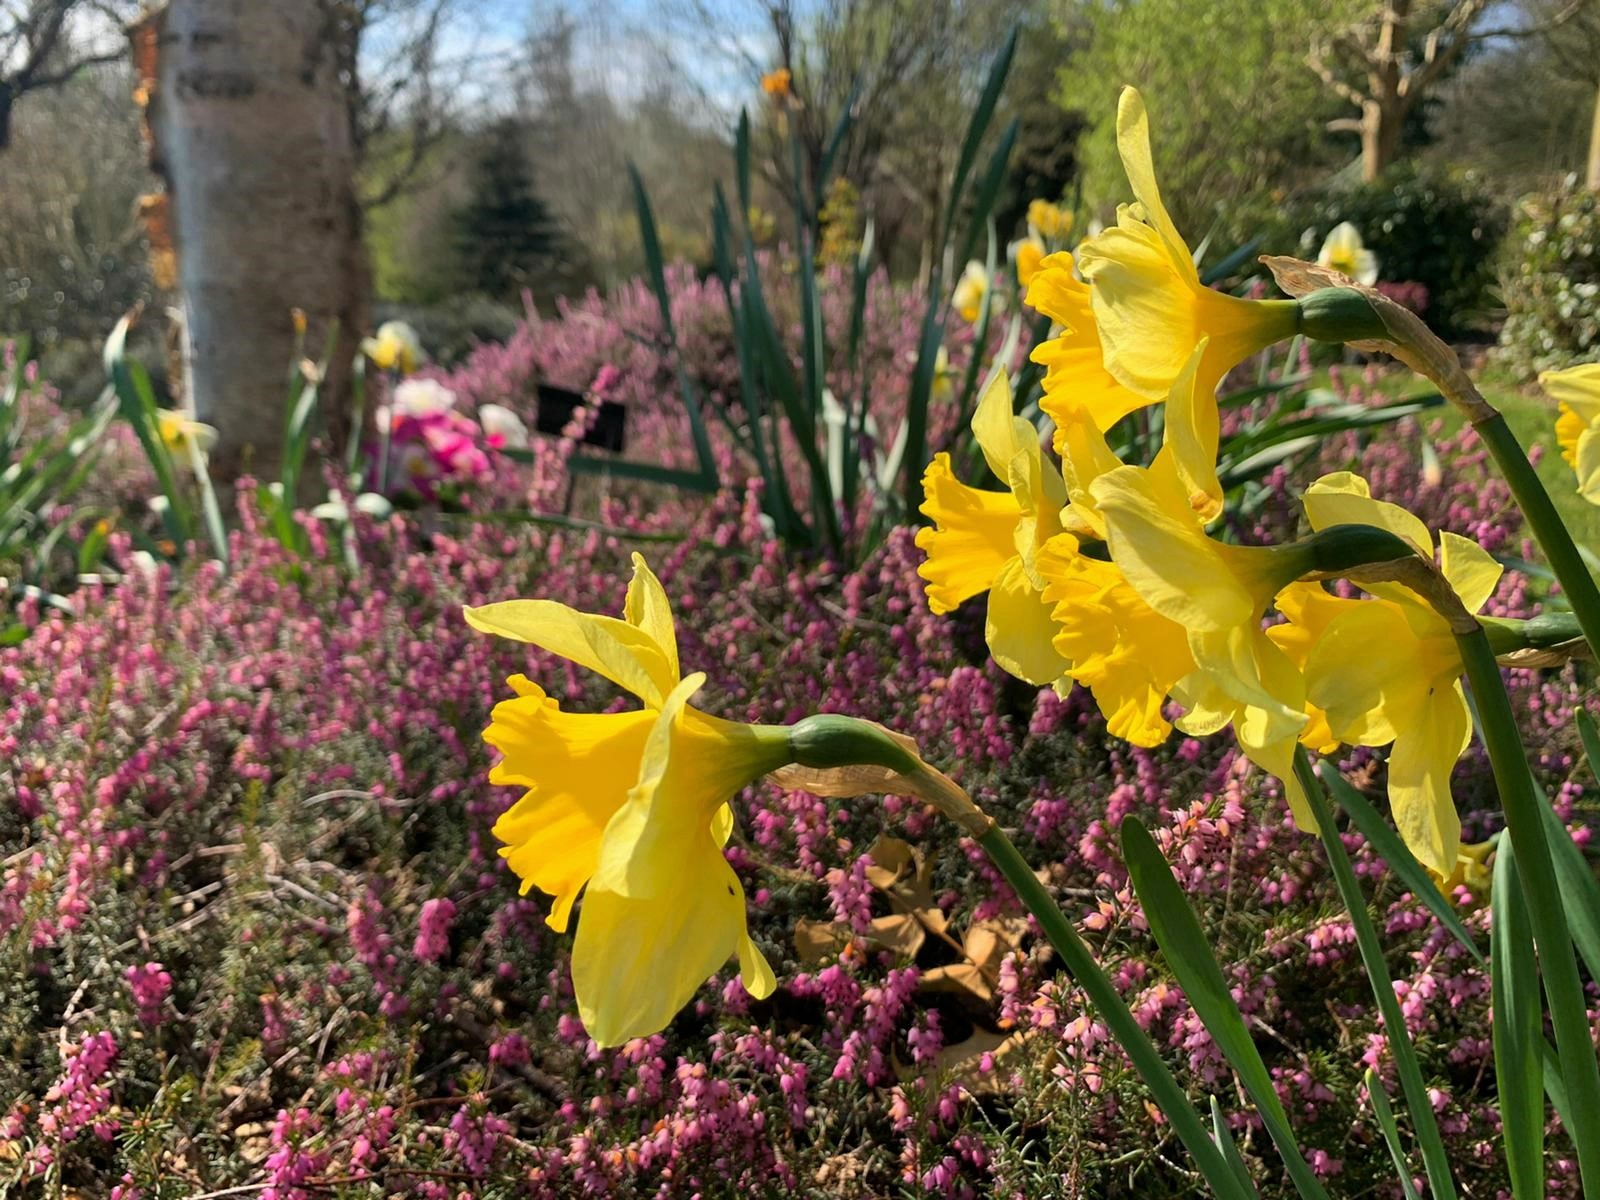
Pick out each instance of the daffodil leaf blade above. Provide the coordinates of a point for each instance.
(1183, 943)
(1518, 1025)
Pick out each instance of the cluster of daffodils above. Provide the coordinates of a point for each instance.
(429, 451)
(1098, 573)
(1049, 228)
(1102, 574)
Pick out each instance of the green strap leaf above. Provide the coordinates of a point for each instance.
(1518, 1025)
(1224, 1140)
(1397, 856)
(1391, 1133)
(1183, 943)
(976, 128)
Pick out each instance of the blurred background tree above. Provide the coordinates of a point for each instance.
(507, 241)
(1237, 114)
(1394, 53)
(46, 43)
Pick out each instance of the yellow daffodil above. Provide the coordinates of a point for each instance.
(1310, 608)
(1342, 251)
(1128, 655)
(184, 437)
(971, 288)
(943, 377)
(1149, 304)
(1028, 254)
(1218, 593)
(1075, 375)
(1114, 643)
(628, 808)
(984, 541)
(394, 347)
(1387, 669)
(1577, 390)
(1049, 221)
(1471, 871)
(777, 84)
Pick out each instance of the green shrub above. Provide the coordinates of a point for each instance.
(451, 331)
(1438, 231)
(1550, 278)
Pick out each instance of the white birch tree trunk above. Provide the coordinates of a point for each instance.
(250, 129)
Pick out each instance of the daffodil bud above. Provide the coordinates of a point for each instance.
(1340, 314)
(841, 756)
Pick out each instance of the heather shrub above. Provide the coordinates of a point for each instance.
(255, 930)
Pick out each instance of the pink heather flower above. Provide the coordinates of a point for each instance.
(290, 1164)
(433, 930)
(474, 1138)
(150, 985)
(78, 1098)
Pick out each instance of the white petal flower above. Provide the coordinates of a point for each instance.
(500, 422)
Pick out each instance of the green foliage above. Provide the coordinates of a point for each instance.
(1438, 231)
(843, 454)
(39, 475)
(1550, 281)
(1221, 132)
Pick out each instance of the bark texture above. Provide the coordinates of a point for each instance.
(250, 129)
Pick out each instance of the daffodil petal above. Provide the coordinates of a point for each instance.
(1420, 765)
(691, 764)
(1190, 436)
(647, 607)
(615, 649)
(1586, 463)
(1021, 631)
(1576, 387)
(637, 962)
(578, 768)
(1164, 554)
(1133, 145)
(1363, 673)
(970, 540)
(1470, 569)
(1343, 498)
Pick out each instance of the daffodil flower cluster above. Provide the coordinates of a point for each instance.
(1109, 576)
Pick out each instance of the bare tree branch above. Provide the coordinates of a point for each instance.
(36, 51)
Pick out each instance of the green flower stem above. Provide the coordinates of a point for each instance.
(1546, 523)
(1080, 963)
(1426, 1129)
(1580, 1071)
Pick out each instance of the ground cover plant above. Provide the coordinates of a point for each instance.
(276, 920)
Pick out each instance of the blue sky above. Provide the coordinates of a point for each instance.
(621, 44)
